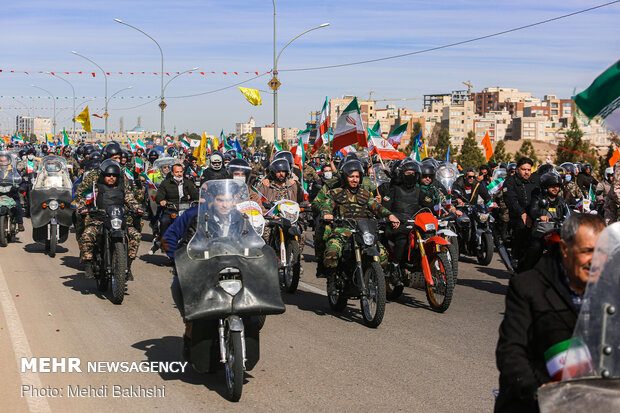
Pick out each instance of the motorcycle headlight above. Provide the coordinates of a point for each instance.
(369, 239)
(5, 189)
(483, 217)
(232, 287)
(429, 227)
(116, 223)
(53, 205)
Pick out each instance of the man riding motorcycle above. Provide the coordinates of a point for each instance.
(74, 167)
(107, 187)
(348, 201)
(603, 187)
(585, 180)
(467, 189)
(6, 171)
(216, 168)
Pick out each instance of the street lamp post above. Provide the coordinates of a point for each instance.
(54, 99)
(114, 94)
(105, 77)
(73, 90)
(162, 104)
(275, 68)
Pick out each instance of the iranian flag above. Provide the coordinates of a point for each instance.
(323, 128)
(602, 98)
(298, 151)
(344, 151)
(168, 140)
(222, 140)
(276, 148)
(140, 145)
(128, 174)
(495, 186)
(303, 136)
(139, 165)
(377, 128)
(396, 135)
(349, 128)
(568, 359)
(30, 167)
(90, 195)
(185, 143)
(379, 146)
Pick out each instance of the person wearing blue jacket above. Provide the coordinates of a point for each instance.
(174, 233)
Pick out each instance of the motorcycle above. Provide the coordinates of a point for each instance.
(111, 262)
(495, 188)
(227, 280)
(475, 234)
(428, 252)
(160, 169)
(50, 203)
(447, 174)
(590, 372)
(284, 239)
(10, 180)
(359, 273)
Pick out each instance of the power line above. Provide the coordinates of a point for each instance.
(220, 89)
(475, 39)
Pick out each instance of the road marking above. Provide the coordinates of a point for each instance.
(312, 288)
(21, 348)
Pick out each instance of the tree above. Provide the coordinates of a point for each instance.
(574, 149)
(499, 153)
(440, 150)
(527, 150)
(417, 127)
(471, 154)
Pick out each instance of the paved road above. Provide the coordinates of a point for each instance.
(312, 359)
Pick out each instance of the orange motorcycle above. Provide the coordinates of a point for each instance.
(427, 252)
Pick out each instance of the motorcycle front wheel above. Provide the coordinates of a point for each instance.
(234, 366)
(440, 294)
(51, 247)
(373, 306)
(3, 230)
(485, 254)
(119, 270)
(293, 269)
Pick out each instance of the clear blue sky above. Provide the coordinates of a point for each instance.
(236, 35)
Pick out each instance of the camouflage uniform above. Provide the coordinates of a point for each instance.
(321, 231)
(430, 196)
(138, 193)
(574, 190)
(89, 236)
(74, 167)
(339, 202)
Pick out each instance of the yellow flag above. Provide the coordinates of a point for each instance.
(251, 137)
(84, 119)
(216, 144)
(200, 153)
(49, 137)
(252, 95)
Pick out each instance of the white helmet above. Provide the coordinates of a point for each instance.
(609, 173)
(216, 158)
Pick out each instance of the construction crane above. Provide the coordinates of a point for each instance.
(386, 100)
(469, 86)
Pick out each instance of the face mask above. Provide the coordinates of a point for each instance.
(178, 178)
(328, 175)
(240, 179)
(31, 157)
(568, 178)
(409, 180)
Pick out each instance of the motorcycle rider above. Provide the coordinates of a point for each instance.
(585, 180)
(74, 167)
(518, 197)
(546, 206)
(572, 192)
(603, 187)
(193, 171)
(467, 188)
(216, 168)
(107, 186)
(403, 199)
(431, 196)
(173, 190)
(348, 201)
(8, 172)
(152, 156)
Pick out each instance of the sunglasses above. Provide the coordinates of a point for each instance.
(110, 175)
(471, 176)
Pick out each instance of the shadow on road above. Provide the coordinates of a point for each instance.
(493, 287)
(78, 282)
(157, 259)
(71, 262)
(500, 273)
(317, 304)
(167, 349)
(410, 301)
(40, 248)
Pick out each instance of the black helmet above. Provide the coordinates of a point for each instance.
(110, 167)
(44, 148)
(503, 165)
(560, 171)
(31, 151)
(430, 161)
(512, 166)
(579, 167)
(394, 168)
(153, 155)
(171, 151)
(285, 155)
(111, 149)
(125, 155)
(569, 168)
(95, 156)
(409, 164)
(227, 158)
(350, 166)
(88, 149)
(239, 165)
(544, 168)
(22, 153)
(427, 170)
(232, 153)
(587, 166)
(279, 165)
(550, 179)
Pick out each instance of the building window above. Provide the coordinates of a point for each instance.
(554, 104)
(554, 112)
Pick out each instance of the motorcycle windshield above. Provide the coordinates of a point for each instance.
(446, 175)
(499, 173)
(53, 173)
(593, 350)
(9, 176)
(221, 229)
(379, 173)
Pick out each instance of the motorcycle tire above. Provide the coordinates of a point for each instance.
(3, 231)
(119, 270)
(439, 296)
(293, 271)
(454, 252)
(485, 255)
(53, 240)
(373, 306)
(261, 321)
(234, 366)
(337, 302)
